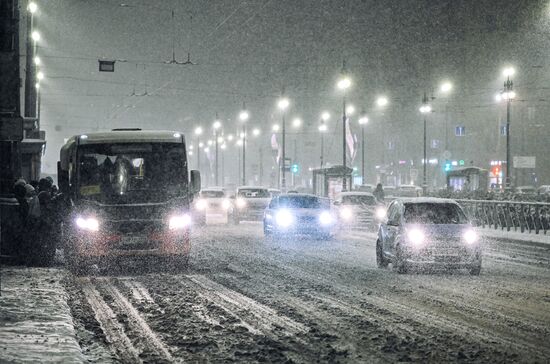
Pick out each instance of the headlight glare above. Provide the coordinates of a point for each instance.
(240, 202)
(346, 213)
(90, 223)
(470, 236)
(380, 213)
(284, 218)
(178, 222)
(226, 204)
(201, 204)
(416, 236)
(325, 218)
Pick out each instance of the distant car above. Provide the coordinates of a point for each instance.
(365, 188)
(544, 190)
(389, 191)
(250, 204)
(359, 209)
(211, 202)
(428, 232)
(299, 214)
(526, 190)
(274, 192)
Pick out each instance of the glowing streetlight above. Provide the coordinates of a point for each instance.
(343, 83)
(256, 132)
(220, 140)
(37, 61)
(209, 142)
(37, 85)
(508, 72)
(325, 116)
(350, 110)
(424, 109)
(216, 125)
(40, 76)
(363, 120)
(35, 35)
(207, 149)
(230, 137)
(244, 116)
(32, 7)
(297, 122)
(283, 103)
(275, 128)
(323, 128)
(239, 142)
(223, 146)
(201, 144)
(198, 130)
(446, 87)
(382, 101)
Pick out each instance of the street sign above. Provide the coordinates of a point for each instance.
(106, 66)
(524, 162)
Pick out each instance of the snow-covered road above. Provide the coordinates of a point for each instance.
(249, 299)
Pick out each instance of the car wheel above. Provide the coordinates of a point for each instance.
(267, 232)
(400, 263)
(380, 259)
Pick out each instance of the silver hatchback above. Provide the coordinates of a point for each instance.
(428, 233)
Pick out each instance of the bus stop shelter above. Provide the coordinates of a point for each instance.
(328, 182)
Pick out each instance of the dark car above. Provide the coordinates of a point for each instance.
(427, 232)
(299, 214)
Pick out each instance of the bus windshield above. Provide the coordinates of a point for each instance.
(132, 172)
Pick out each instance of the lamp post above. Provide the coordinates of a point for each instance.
(363, 120)
(30, 67)
(325, 116)
(216, 126)
(198, 133)
(283, 104)
(243, 117)
(343, 84)
(508, 95)
(424, 109)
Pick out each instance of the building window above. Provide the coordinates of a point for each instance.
(435, 143)
(503, 130)
(460, 130)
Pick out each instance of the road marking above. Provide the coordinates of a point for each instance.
(266, 320)
(113, 330)
(137, 323)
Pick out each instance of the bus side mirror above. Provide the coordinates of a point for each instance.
(195, 182)
(62, 179)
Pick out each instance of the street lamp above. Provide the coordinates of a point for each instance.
(198, 133)
(256, 132)
(32, 7)
(40, 76)
(508, 95)
(322, 129)
(446, 87)
(343, 84)
(425, 109)
(325, 116)
(283, 104)
(35, 36)
(276, 128)
(363, 120)
(350, 110)
(382, 101)
(297, 122)
(243, 117)
(216, 125)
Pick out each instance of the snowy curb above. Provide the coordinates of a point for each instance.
(515, 235)
(35, 321)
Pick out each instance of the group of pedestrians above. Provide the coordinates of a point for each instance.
(36, 225)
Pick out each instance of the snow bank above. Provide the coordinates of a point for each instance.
(35, 321)
(515, 235)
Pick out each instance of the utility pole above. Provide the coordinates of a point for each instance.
(425, 109)
(244, 155)
(508, 89)
(30, 74)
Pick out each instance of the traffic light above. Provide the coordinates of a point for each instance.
(447, 167)
(496, 171)
(294, 168)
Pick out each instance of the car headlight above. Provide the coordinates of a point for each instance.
(200, 204)
(416, 236)
(178, 222)
(325, 218)
(90, 223)
(346, 213)
(380, 213)
(226, 204)
(284, 218)
(240, 202)
(470, 237)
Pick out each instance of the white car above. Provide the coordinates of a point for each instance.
(360, 209)
(212, 203)
(250, 204)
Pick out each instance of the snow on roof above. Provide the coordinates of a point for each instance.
(427, 200)
(252, 187)
(129, 136)
(356, 193)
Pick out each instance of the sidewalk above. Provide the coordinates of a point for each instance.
(35, 320)
(515, 235)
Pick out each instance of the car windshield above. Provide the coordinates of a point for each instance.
(301, 202)
(212, 194)
(132, 172)
(254, 193)
(363, 200)
(434, 213)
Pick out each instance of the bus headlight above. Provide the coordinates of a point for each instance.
(178, 222)
(90, 223)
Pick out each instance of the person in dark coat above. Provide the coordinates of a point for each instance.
(379, 193)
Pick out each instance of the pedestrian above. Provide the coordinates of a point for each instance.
(379, 193)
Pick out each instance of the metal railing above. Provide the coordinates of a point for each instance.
(509, 215)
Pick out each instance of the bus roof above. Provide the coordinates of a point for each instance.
(131, 136)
